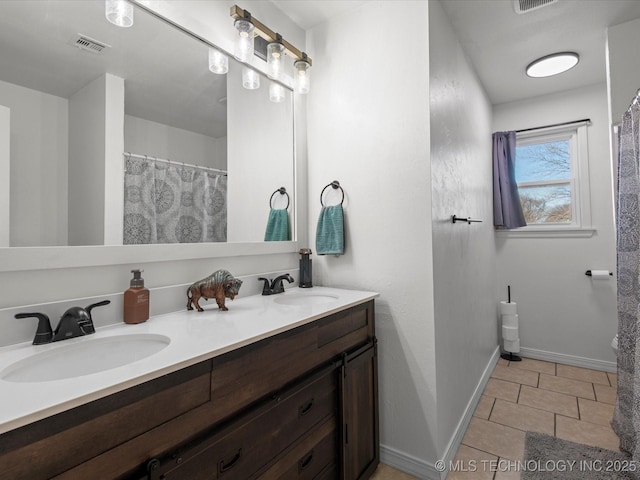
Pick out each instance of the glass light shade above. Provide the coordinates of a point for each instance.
(119, 12)
(250, 79)
(302, 76)
(552, 64)
(276, 92)
(275, 56)
(244, 42)
(218, 62)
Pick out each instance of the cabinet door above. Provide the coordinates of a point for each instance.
(359, 409)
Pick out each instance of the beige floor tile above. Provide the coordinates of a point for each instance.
(497, 388)
(385, 472)
(517, 375)
(595, 412)
(507, 471)
(472, 464)
(536, 365)
(522, 417)
(613, 379)
(496, 439)
(587, 433)
(549, 401)
(502, 361)
(569, 386)
(605, 394)
(483, 410)
(584, 374)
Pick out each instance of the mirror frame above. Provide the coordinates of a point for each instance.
(15, 259)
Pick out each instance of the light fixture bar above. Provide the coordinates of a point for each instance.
(268, 34)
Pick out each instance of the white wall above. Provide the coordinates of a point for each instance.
(368, 127)
(145, 137)
(464, 256)
(96, 166)
(260, 142)
(562, 311)
(39, 151)
(5, 174)
(623, 65)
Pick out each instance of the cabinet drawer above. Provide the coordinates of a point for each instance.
(51, 446)
(313, 457)
(243, 447)
(251, 373)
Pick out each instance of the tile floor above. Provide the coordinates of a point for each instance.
(569, 402)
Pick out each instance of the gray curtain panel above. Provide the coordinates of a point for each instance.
(171, 203)
(507, 209)
(626, 417)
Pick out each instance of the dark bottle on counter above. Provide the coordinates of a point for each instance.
(136, 300)
(305, 268)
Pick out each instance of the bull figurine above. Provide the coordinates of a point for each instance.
(219, 285)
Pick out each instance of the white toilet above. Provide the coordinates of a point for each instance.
(614, 344)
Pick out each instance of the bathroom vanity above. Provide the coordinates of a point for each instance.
(277, 398)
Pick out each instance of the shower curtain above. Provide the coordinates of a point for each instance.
(172, 203)
(626, 418)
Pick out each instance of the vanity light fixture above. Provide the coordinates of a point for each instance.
(218, 61)
(119, 12)
(244, 42)
(279, 46)
(276, 92)
(250, 78)
(553, 64)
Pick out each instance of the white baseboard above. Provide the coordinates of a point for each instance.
(427, 470)
(565, 359)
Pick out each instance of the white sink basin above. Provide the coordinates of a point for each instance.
(84, 357)
(303, 299)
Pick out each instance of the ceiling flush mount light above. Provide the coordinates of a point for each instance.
(119, 12)
(553, 64)
(218, 61)
(277, 49)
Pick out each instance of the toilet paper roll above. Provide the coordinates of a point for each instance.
(600, 274)
(510, 320)
(509, 333)
(512, 346)
(507, 308)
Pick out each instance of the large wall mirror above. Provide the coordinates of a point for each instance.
(78, 95)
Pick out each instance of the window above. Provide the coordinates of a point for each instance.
(553, 179)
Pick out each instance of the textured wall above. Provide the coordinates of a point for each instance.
(464, 256)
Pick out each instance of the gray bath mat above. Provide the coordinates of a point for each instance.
(551, 458)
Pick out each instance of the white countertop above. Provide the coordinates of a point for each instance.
(195, 336)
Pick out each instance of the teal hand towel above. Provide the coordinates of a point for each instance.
(330, 231)
(278, 226)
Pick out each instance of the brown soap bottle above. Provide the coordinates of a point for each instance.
(136, 300)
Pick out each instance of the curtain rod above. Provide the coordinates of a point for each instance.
(584, 120)
(197, 167)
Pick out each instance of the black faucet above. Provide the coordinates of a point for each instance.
(75, 322)
(276, 285)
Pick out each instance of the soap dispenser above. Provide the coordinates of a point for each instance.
(136, 300)
(305, 268)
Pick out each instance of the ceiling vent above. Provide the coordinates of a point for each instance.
(526, 6)
(90, 44)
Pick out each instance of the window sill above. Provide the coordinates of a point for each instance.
(547, 232)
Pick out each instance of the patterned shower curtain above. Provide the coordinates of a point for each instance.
(626, 418)
(172, 203)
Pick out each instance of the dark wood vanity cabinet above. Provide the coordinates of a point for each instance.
(299, 405)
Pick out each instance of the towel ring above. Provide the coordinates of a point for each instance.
(335, 184)
(281, 191)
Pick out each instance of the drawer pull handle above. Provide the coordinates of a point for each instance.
(305, 461)
(232, 463)
(304, 409)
